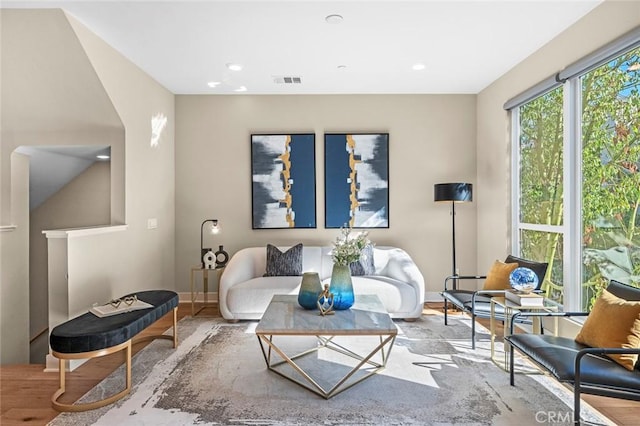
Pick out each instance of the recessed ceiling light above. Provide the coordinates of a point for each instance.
(418, 67)
(333, 19)
(213, 84)
(102, 157)
(241, 89)
(234, 67)
(342, 67)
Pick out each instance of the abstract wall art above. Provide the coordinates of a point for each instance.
(356, 173)
(283, 178)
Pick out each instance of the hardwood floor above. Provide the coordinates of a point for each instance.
(25, 390)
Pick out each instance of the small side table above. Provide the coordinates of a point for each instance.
(205, 288)
(510, 308)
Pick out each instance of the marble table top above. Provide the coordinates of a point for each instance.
(366, 317)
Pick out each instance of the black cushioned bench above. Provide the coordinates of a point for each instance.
(88, 336)
(587, 369)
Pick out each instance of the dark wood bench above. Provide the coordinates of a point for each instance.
(585, 368)
(88, 336)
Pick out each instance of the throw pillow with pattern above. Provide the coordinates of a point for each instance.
(288, 263)
(365, 265)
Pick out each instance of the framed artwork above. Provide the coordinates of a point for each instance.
(283, 177)
(356, 176)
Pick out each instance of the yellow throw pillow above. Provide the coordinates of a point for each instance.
(498, 276)
(613, 323)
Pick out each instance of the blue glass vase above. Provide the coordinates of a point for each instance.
(341, 287)
(310, 289)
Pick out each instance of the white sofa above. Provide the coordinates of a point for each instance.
(245, 293)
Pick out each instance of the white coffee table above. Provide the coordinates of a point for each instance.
(284, 319)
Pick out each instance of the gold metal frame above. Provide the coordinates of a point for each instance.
(509, 310)
(326, 342)
(62, 363)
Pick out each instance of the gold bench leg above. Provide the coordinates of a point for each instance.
(62, 357)
(88, 355)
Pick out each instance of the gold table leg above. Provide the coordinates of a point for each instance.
(267, 345)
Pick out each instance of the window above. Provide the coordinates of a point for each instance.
(610, 123)
(598, 162)
(540, 181)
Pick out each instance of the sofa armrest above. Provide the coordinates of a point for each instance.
(400, 266)
(243, 266)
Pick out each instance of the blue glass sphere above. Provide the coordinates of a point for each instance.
(523, 280)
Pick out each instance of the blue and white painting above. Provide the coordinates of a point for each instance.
(283, 181)
(356, 191)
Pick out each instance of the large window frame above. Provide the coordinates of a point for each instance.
(571, 228)
(571, 218)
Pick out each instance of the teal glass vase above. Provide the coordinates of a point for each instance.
(310, 289)
(341, 287)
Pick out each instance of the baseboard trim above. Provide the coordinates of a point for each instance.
(433, 296)
(185, 297)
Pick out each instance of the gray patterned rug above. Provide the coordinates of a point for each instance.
(217, 376)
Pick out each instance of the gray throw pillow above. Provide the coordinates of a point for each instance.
(365, 265)
(281, 264)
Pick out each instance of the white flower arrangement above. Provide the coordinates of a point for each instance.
(347, 248)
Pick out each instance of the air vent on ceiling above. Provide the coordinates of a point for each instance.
(287, 80)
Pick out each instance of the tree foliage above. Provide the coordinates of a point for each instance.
(610, 184)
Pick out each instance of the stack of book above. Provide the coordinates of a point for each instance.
(525, 299)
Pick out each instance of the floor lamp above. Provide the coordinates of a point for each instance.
(453, 193)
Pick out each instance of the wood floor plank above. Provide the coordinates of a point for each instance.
(25, 390)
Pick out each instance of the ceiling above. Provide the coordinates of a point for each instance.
(463, 45)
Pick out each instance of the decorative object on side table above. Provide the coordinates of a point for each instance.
(222, 257)
(310, 288)
(346, 249)
(207, 260)
(523, 281)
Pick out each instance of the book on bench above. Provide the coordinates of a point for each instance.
(525, 299)
(109, 309)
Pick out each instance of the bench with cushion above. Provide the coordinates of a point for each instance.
(89, 336)
(589, 368)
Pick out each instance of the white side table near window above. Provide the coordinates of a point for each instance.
(195, 292)
(511, 308)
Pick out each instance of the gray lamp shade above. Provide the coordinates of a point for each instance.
(453, 192)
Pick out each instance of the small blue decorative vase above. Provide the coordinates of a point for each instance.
(310, 289)
(523, 280)
(341, 287)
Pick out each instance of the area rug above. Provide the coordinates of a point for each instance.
(218, 376)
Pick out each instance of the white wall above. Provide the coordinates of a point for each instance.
(603, 24)
(431, 140)
(85, 201)
(105, 265)
(14, 270)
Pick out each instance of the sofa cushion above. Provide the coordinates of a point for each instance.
(396, 296)
(613, 323)
(250, 299)
(281, 264)
(498, 276)
(558, 354)
(365, 265)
